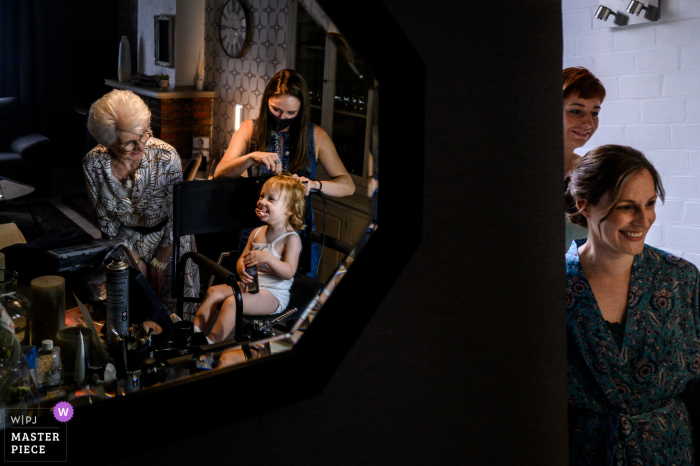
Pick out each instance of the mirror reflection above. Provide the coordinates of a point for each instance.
(298, 163)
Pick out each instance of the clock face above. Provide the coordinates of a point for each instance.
(233, 28)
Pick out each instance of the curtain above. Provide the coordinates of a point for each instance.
(17, 75)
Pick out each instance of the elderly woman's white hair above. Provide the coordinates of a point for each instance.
(118, 111)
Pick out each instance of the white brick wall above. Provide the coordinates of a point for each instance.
(651, 74)
(669, 161)
(654, 111)
(694, 161)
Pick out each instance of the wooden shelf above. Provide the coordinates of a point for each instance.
(313, 47)
(355, 114)
(180, 92)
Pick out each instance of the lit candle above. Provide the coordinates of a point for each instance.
(49, 299)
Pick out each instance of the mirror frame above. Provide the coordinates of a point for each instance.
(157, 33)
(318, 354)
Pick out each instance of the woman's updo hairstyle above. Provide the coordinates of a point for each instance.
(118, 111)
(605, 169)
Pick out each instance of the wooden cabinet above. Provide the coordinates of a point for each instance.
(340, 103)
(346, 221)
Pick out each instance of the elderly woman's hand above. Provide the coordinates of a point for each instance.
(156, 275)
(143, 268)
(156, 278)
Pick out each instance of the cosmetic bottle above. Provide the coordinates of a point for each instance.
(49, 370)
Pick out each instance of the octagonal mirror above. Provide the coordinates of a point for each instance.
(345, 69)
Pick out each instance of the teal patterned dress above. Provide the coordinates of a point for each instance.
(627, 399)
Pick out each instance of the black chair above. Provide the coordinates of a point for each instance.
(190, 170)
(205, 207)
(24, 156)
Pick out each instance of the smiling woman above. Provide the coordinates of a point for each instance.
(633, 340)
(583, 96)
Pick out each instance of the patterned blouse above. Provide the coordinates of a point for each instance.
(143, 219)
(627, 400)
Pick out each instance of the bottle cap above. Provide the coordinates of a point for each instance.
(47, 345)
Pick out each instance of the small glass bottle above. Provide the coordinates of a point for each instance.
(44, 359)
(252, 288)
(56, 371)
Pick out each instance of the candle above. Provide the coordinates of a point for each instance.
(2, 260)
(79, 372)
(49, 301)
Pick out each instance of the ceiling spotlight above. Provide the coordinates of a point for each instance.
(603, 12)
(636, 7)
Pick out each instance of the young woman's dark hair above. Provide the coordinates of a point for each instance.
(579, 80)
(286, 82)
(602, 170)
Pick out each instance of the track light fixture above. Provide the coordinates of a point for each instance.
(603, 12)
(635, 7)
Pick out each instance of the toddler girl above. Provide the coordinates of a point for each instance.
(273, 248)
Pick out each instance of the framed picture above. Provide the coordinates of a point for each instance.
(163, 34)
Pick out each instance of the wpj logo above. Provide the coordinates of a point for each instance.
(40, 436)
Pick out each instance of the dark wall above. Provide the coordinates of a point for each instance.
(75, 47)
(464, 362)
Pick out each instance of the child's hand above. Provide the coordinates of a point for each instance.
(255, 258)
(245, 278)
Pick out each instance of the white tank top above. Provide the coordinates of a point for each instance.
(267, 279)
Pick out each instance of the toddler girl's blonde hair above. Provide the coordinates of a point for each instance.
(292, 190)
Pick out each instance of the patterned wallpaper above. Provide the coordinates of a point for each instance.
(242, 80)
(235, 80)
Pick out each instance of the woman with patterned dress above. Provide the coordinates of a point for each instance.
(290, 142)
(633, 320)
(130, 177)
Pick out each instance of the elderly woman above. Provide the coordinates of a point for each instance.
(130, 177)
(633, 320)
(583, 96)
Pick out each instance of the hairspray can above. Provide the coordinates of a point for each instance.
(117, 298)
(252, 288)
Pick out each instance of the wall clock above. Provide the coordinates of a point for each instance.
(234, 28)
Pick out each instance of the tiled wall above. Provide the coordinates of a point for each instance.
(242, 80)
(652, 77)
